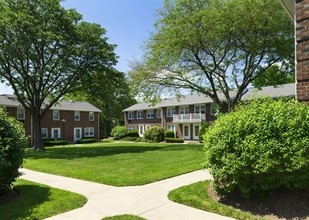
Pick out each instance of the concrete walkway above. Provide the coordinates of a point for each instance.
(148, 201)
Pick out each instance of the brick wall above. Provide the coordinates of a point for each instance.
(302, 50)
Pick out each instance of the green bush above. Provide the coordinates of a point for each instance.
(13, 140)
(173, 140)
(127, 138)
(119, 132)
(53, 142)
(169, 134)
(202, 131)
(154, 134)
(262, 146)
(133, 133)
(86, 141)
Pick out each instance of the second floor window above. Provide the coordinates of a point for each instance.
(56, 115)
(213, 109)
(91, 116)
(139, 115)
(159, 113)
(131, 115)
(20, 114)
(170, 111)
(150, 114)
(199, 109)
(77, 116)
(184, 110)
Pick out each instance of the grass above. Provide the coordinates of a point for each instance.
(195, 195)
(118, 164)
(123, 217)
(37, 201)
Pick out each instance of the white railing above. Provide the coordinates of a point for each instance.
(193, 117)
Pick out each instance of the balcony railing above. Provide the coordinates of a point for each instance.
(193, 117)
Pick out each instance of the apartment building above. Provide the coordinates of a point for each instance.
(186, 115)
(67, 120)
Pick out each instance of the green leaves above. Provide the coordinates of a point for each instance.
(261, 146)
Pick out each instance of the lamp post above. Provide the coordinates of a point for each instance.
(63, 129)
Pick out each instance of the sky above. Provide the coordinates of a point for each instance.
(128, 24)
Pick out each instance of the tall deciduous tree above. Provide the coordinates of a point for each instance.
(45, 52)
(212, 46)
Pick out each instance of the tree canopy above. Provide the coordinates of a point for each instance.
(212, 47)
(46, 51)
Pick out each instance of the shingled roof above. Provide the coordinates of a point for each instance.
(286, 90)
(11, 101)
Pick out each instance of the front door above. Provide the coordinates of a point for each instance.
(77, 134)
(186, 132)
(196, 130)
(141, 130)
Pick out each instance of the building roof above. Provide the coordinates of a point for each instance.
(11, 101)
(286, 90)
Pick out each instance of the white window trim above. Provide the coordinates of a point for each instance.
(184, 107)
(52, 133)
(45, 129)
(23, 114)
(151, 113)
(159, 113)
(173, 109)
(88, 135)
(131, 127)
(139, 116)
(76, 113)
(199, 109)
(213, 109)
(130, 115)
(56, 119)
(91, 116)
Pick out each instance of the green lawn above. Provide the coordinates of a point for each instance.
(37, 201)
(118, 164)
(195, 195)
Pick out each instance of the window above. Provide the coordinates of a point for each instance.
(56, 133)
(131, 127)
(170, 111)
(159, 113)
(20, 113)
(56, 115)
(184, 110)
(213, 109)
(148, 126)
(91, 116)
(89, 132)
(199, 109)
(139, 115)
(44, 133)
(170, 127)
(131, 115)
(150, 114)
(77, 116)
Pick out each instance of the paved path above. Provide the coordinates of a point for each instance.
(148, 201)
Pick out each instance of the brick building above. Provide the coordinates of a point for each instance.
(186, 115)
(67, 120)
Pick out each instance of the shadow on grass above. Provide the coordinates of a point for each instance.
(95, 151)
(22, 206)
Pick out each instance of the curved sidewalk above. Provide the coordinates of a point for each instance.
(148, 201)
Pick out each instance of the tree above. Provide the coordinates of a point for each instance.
(212, 47)
(274, 76)
(45, 52)
(110, 93)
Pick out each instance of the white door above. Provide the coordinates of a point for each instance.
(186, 132)
(77, 134)
(56, 133)
(141, 130)
(196, 130)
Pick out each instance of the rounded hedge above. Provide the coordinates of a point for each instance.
(169, 134)
(262, 146)
(13, 140)
(154, 134)
(119, 132)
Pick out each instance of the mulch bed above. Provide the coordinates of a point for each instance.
(291, 204)
(9, 195)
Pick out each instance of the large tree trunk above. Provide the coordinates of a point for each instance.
(36, 131)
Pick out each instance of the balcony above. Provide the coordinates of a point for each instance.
(189, 118)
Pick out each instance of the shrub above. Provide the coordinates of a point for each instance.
(132, 133)
(169, 134)
(154, 134)
(53, 142)
(119, 132)
(13, 140)
(86, 141)
(173, 140)
(202, 131)
(262, 146)
(129, 138)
